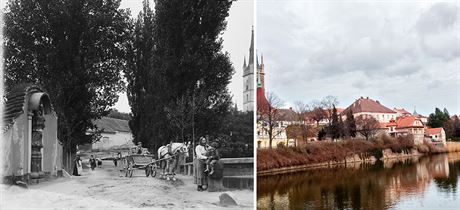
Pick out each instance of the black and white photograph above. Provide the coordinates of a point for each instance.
(127, 104)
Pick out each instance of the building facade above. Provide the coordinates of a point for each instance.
(116, 134)
(31, 149)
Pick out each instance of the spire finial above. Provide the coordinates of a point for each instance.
(251, 48)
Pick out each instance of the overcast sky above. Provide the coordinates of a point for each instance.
(404, 54)
(236, 38)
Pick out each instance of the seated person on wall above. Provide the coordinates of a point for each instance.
(213, 157)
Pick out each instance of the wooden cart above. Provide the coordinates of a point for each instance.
(139, 162)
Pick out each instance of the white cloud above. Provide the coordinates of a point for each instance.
(399, 53)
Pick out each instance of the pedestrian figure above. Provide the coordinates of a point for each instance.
(200, 164)
(77, 169)
(92, 162)
(99, 162)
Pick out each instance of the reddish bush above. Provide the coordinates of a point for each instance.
(320, 152)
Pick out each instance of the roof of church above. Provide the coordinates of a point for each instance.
(262, 103)
(251, 48)
(112, 125)
(367, 105)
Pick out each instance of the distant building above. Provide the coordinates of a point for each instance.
(408, 125)
(369, 107)
(401, 112)
(436, 135)
(248, 79)
(116, 134)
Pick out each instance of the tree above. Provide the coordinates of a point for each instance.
(334, 129)
(238, 132)
(146, 83)
(74, 50)
(367, 126)
(350, 125)
(317, 113)
(301, 132)
(179, 74)
(456, 125)
(441, 119)
(269, 116)
(114, 113)
(328, 103)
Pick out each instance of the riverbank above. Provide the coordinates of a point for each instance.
(323, 154)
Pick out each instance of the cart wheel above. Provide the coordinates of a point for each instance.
(147, 171)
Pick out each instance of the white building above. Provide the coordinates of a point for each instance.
(436, 135)
(369, 107)
(116, 134)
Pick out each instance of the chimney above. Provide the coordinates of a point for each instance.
(377, 101)
(367, 97)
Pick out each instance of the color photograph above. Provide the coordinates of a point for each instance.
(358, 105)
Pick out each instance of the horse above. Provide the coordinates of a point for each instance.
(169, 157)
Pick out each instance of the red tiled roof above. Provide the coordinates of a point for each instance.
(367, 105)
(391, 123)
(431, 131)
(15, 101)
(408, 122)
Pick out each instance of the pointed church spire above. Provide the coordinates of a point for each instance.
(251, 48)
(262, 59)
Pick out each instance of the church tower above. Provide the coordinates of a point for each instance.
(248, 78)
(261, 73)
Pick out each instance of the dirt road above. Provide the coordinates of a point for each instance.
(106, 188)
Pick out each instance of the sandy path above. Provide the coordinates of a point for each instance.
(106, 188)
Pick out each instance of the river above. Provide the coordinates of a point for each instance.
(430, 182)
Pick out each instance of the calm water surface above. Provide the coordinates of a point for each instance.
(429, 183)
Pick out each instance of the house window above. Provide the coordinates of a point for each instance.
(105, 140)
(247, 87)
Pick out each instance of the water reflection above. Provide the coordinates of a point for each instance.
(389, 185)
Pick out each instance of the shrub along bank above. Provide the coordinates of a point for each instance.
(322, 152)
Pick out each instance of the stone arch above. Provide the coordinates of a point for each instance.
(40, 98)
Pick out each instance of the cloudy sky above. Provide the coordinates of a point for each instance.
(404, 54)
(236, 38)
